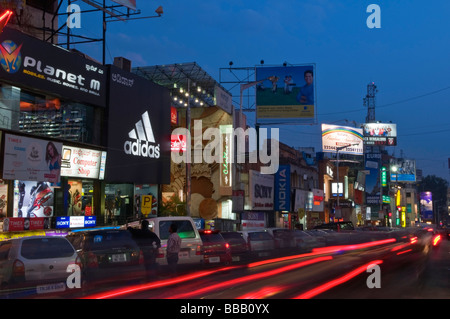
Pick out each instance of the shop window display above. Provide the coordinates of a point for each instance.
(118, 203)
(46, 115)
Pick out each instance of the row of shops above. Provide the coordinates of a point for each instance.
(83, 144)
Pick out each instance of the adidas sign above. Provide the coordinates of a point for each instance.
(144, 141)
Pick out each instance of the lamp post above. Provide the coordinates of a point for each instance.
(340, 148)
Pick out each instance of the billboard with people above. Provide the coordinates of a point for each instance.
(286, 94)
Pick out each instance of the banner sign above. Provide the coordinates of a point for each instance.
(76, 221)
(283, 188)
(286, 94)
(20, 224)
(261, 192)
(344, 139)
(31, 159)
(81, 162)
(406, 170)
(380, 134)
(138, 137)
(40, 65)
(426, 205)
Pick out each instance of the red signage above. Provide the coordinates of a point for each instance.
(178, 143)
(173, 115)
(19, 224)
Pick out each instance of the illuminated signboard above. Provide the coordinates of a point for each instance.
(82, 162)
(380, 134)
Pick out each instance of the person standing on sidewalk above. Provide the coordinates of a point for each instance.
(173, 248)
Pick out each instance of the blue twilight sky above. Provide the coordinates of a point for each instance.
(407, 58)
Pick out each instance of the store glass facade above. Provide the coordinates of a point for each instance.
(46, 115)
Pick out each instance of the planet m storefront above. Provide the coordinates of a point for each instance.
(52, 108)
(68, 154)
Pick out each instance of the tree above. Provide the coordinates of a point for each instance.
(172, 207)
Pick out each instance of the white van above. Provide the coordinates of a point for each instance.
(191, 243)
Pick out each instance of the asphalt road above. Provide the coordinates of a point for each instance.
(403, 274)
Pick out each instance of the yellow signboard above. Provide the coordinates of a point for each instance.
(146, 204)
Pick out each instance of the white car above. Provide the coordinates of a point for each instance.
(191, 242)
(260, 242)
(40, 262)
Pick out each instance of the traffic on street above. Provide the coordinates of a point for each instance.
(367, 264)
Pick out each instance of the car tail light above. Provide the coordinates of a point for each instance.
(436, 240)
(160, 253)
(92, 261)
(18, 270)
(413, 240)
(141, 257)
(199, 250)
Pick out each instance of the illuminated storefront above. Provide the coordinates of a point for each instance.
(52, 105)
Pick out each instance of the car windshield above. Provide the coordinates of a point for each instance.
(212, 238)
(108, 239)
(259, 236)
(44, 248)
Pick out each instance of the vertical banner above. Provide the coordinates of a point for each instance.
(426, 205)
(372, 187)
(226, 137)
(283, 188)
(261, 194)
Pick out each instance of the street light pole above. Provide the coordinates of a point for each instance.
(339, 148)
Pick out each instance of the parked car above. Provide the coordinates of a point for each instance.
(305, 241)
(260, 242)
(108, 255)
(284, 238)
(337, 226)
(238, 245)
(215, 249)
(37, 261)
(191, 243)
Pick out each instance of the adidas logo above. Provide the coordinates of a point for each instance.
(143, 136)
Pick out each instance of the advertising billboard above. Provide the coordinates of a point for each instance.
(372, 186)
(426, 205)
(380, 134)
(286, 94)
(139, 137)
(33, 199)
(40, 65)
(31, 159)
(130, 4)
(82, 162)
(405, 170)
(261, 192)
(345, 139)
(283, 188)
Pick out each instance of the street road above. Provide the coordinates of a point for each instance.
(325, 274)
